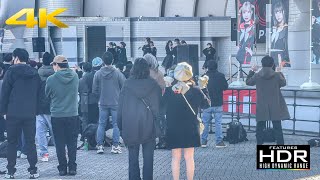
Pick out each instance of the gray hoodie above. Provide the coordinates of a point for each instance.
(107, 84)
(45, 72)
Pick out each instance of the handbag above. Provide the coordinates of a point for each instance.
(201, 125)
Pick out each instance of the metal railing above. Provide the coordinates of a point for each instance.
(237, 115)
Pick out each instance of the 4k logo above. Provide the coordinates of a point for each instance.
(30, 21)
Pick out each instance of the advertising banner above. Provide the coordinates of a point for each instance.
(315, 32)
(261, 20)
(279, 32)
(244, 97)
(246, 30)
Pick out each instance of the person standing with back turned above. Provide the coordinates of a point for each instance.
(62, 90)
(271, 105)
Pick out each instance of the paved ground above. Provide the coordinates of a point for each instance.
(236, 162)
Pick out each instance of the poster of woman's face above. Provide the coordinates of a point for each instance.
(315, 16)
(279, 34)
(246, 30)
(1, 39)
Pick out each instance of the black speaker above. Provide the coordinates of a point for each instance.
(190, 54)
(234, 29)
(38, 44)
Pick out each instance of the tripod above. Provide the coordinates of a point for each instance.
(236, 73)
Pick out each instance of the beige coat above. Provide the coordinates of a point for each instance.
(271, 105)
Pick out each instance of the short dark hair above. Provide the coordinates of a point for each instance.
(107, 58)
(129, 62)
(47, 58)
(267, 61)
(8, 57)
(209, 44)
(120, 66)
(123, 44)
(22, 54)
(87, 67)
(129, 67)
(63, 65)
(140, 69)
(148, 39)
(39, 65)
(212, 65)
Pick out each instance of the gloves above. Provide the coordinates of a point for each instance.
(168, 80)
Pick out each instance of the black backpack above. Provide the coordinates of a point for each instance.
(235, 133)
(89, 134)
(314, 142)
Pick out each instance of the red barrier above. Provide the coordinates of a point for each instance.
(243, 97)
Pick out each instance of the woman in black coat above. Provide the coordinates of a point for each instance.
(138, 108)
(122, 53)
(168, 60)
(182, 125)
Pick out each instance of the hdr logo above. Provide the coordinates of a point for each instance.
(30, 21)
(293, 157)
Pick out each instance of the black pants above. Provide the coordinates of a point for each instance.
(90, 117)
(65, 131)
(277, 129)
(147, 152)
(14, 129)
(2, 128)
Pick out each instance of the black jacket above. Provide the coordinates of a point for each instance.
(209, 53)
(134, 119)
(20, 92)
(122, 55)
(85, 91)
(5, 68)
(44, 101)
(217, 84)
(146, 49)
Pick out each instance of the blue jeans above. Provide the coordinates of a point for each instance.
(103, 117)
(43, 124)
(206, 118)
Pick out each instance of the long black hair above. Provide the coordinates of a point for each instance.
(140, 69)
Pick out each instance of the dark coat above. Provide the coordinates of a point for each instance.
(85, 91)
(154, 51)
(136, 122)
(20, 92)
(146, 49)
(209, 53)
(44, 101)
(271, 105)
(216, 85)
(5, 68)
(182, 124)
(114, 53)
(122, 55)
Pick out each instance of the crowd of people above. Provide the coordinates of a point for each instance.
(144, 104)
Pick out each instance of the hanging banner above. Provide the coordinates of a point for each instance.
(279, 33)
(1, 39)
(315, 32)
(261, 20)
(246, 30)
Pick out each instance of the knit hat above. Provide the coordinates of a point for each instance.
(96, 62)
(183, 72)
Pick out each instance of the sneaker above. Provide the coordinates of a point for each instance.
(23, 156)
(116, 150)
(18, 154)
(204, 144)
(221, 145)
(62, 173)
(100, 149)
(9, 176)
(34, 176)
(72, 172)
(45, 157)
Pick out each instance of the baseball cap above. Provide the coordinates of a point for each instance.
(60, 59)
(96, 62)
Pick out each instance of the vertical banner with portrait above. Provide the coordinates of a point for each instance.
(1, 38)
(315, 16)
(261, 20)
(246, 30)
(279, 32)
